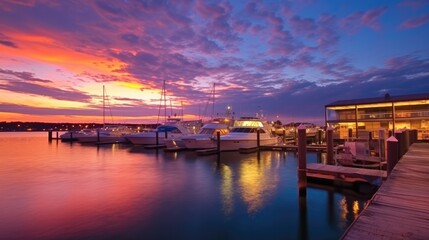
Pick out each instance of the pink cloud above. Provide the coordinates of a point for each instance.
(415, 22)
(355, 21)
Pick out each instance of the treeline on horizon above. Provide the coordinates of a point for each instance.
(19, 126)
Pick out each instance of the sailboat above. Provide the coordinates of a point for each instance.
(108, 133)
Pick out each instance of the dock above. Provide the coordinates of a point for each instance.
(289, 147)
(342, 175)
(399, 209)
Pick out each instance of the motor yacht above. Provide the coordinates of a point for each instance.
(205, 138)
(111, 134)
(244, 134)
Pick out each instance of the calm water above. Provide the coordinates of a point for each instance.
(72, 191)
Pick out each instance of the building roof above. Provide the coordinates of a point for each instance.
(386, 99)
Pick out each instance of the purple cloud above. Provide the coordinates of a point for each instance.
(26, 76)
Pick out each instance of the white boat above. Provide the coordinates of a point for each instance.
(107, 134)
(244, 134)
(204, 139)
(172, 129)
(74, 135)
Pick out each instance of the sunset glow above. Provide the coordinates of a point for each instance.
(281, 58)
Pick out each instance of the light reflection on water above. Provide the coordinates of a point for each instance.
(69, 190)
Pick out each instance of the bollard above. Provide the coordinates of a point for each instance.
(50, 135)
(302, 161)
(330, 146)
(392, 153)
(258, 138)
(218, 141)
(157, 138)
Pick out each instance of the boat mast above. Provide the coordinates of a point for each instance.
(104, 108)
(214, 92)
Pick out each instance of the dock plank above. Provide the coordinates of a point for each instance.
(399, 209)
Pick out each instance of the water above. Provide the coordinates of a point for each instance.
(72, 191)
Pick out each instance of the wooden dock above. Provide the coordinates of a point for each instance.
(344, 175)
(400, 207)
(289, 147)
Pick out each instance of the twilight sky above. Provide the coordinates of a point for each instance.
(285, 59)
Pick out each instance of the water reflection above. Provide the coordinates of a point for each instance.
(58, 191)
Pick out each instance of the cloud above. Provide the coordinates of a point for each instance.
(26, 76)
(370, 18)
(415, 22)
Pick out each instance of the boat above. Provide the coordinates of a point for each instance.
(172, 129)
(356, 153)
(107, 134)
(74, 135)
(243, 134)
(206, 138)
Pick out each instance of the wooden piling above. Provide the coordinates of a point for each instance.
(302, 147)
(258, 138)
(406, 140)
(382, 143)
(350, 133)
(392, 153)
(50, 135)
(156, 138)
(218, 141)
(319, 135)
(401, 147)
(98, 135)
(302, 161)
(166, 135)
(330, 146)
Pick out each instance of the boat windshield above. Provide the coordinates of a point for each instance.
(168, 129)
(207, 130)
(247, 130)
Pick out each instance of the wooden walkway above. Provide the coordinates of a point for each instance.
(400, 208)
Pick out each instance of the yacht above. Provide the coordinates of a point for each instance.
(107, 134)
(74, 135)
(172, 129)
(244, 134)
(206, 137)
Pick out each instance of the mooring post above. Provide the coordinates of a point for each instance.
(406, 140)
(71, 136)
(392, 153)
(319, 135)
(350, 133)
(98, 135)
(218, 141)
(399, 135)
(258, 138)
(57, 136)
(302, 160)
(330, 146)
(50, 135)
(166, 135)
(157, 138)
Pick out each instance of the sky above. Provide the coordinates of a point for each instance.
(284, 60)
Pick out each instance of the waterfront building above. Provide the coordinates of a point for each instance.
(359, 117)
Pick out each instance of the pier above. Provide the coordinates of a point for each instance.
(399, 209)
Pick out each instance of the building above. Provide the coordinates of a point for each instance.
(360, 117)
